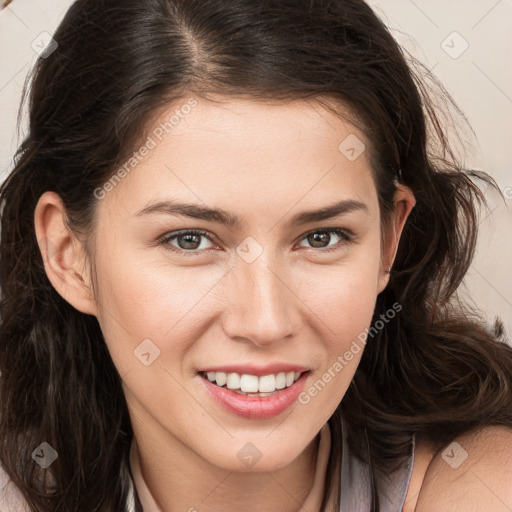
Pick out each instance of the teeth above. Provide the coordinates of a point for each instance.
(280, 380)
(245, 383)
(249, 384)
(233, 381)
(267, 384)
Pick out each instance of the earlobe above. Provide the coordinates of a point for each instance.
(383, 280)
(62, 254)
(404, 202)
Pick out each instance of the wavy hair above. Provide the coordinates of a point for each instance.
(90, 103)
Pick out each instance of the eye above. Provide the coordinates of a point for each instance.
(189, 241)
(319, 237)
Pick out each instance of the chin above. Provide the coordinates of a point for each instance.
(258, 456)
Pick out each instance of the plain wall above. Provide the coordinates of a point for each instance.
(466, 44)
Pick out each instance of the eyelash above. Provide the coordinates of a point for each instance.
(164, 241)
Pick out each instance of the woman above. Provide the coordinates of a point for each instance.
(229, 264)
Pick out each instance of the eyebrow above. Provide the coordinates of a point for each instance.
(196, 211)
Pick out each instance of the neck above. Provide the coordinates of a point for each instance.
(179, 479)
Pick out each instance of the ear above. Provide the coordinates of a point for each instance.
(404, 202)
(63, 255)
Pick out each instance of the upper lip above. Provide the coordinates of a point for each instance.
(252, 369)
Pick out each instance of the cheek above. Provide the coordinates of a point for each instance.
(344, 295)
(147, 322)
(346, 314)
(343, 299)
(144, 298)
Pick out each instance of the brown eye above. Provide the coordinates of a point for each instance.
(321, 238)
(187, 241)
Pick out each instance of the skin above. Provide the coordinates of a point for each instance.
(478, 480)
(294, 303)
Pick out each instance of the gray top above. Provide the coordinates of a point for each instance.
(355, 482)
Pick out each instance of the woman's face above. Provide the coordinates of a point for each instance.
(272, 293)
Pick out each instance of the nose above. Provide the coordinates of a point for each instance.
(262, 308)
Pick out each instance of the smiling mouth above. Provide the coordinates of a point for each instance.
(253, 385)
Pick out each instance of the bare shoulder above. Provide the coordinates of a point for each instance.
(423, 454)
(473, 473)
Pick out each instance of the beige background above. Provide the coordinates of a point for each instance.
(466, 44)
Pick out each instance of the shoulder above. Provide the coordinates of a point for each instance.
(10, 498)
(474, 472)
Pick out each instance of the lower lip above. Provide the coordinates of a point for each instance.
(256, 407)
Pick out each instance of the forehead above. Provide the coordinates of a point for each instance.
(247, 153)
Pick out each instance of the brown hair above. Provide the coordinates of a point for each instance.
(117, 63)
